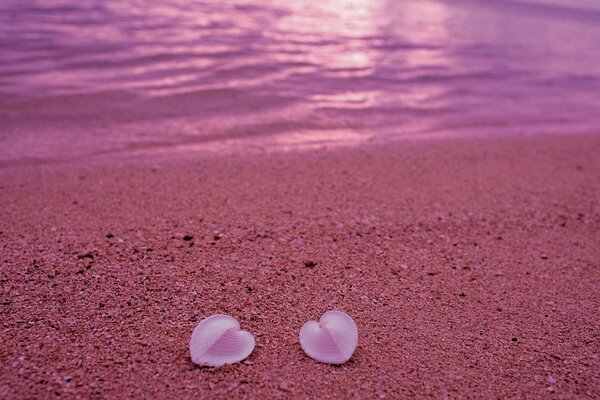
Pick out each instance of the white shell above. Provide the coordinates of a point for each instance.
(332, 340)
(218, 340)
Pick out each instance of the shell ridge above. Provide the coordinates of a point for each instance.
(335, 343)
(210, 338)
(343, 338)
(223, 335)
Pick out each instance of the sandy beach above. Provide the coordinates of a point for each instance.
(469, 265)
(431, 168)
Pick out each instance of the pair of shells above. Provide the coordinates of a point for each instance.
(218, 340)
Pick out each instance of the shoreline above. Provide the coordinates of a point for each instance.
(469, 266)
(252, 148)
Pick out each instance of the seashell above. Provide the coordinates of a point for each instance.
(332, 340)
(218, 340)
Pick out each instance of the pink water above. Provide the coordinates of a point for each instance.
(84, 78)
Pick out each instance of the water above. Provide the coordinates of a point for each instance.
(81, 78)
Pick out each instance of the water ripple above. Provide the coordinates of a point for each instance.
(332, 68)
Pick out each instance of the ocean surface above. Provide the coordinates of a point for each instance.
(82, 78)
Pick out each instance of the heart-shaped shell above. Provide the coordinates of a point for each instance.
(218, 340)
(332, 340)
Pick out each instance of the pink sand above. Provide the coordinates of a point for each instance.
(469, 266)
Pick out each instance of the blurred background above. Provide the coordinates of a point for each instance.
(88, 77)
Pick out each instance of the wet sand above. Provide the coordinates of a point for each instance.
(471, 267)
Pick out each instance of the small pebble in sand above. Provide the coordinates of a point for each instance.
(310, 263)
(187, 238)
(332, 340)
(109, 235)
(82, 256)
(218, 340)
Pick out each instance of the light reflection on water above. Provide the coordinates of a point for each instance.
(80, 77)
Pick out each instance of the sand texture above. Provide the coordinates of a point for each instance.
(470, 266)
